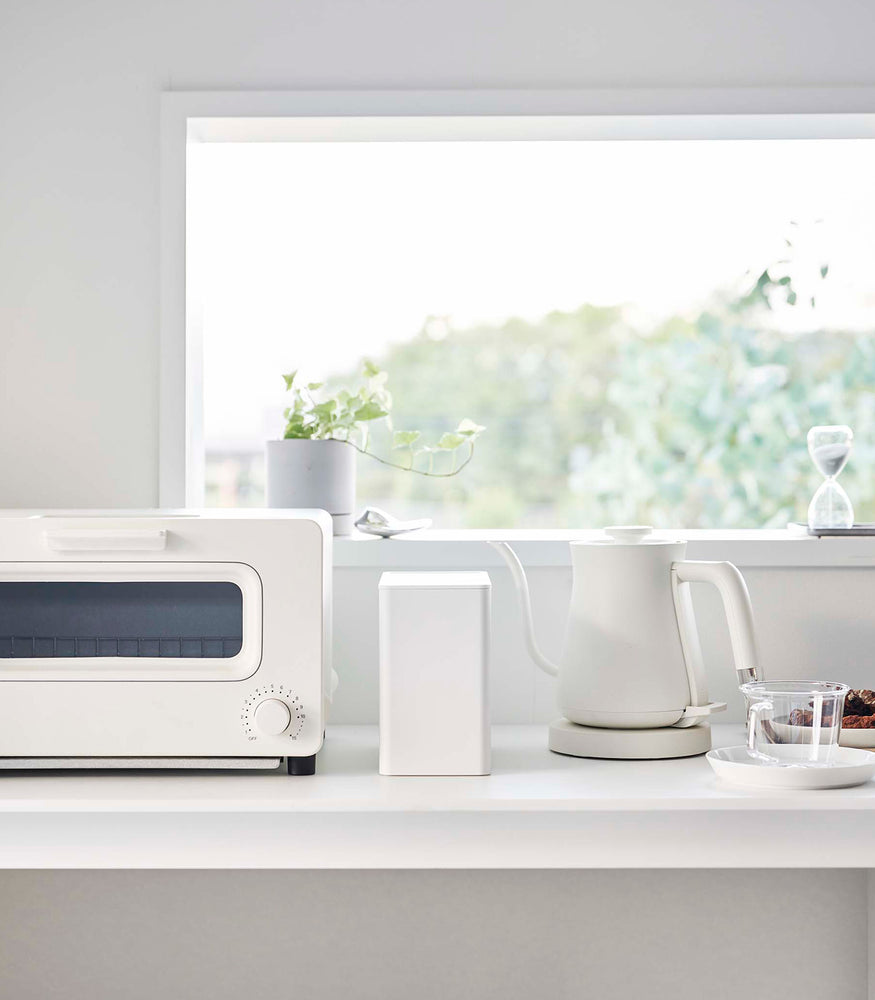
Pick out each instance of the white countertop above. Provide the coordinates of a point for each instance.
(536, 810)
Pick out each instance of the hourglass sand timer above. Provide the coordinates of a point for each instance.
(829, 448)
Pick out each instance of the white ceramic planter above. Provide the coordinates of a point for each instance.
(303, 473)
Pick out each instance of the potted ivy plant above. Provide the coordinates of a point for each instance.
(313, 465)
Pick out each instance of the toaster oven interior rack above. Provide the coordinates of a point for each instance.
(205, 646)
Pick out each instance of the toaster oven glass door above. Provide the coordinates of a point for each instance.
(129, 621)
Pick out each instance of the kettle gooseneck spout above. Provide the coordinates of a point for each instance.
(522, 586)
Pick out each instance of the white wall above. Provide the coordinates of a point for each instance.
(811, 622)
(79, 86)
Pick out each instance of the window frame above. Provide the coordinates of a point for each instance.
(270, 116)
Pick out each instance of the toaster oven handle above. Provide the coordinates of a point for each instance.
(106, 540)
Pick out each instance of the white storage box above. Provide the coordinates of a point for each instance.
(434, 655)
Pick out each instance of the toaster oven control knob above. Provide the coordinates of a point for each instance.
(272, 716)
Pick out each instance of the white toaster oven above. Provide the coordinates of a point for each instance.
(164, 639)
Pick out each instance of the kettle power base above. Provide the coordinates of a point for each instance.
(628, 744)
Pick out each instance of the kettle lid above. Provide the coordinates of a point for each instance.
(630, 534)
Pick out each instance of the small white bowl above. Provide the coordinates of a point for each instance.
(862, 738)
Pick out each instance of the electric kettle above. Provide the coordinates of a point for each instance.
(631, 682)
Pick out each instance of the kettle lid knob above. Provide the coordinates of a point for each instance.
(629, 533)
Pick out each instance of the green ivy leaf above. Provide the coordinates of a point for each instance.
(470, 429)
(405, 439)
(324, 411)
(313, 386)
(450, 441)
(824, 271)
(370, 369)
(369, 410)
(289, 379)
(298, 429)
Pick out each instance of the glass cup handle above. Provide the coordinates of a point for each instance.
(755, 711)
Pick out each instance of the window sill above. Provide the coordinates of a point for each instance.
(468, 549)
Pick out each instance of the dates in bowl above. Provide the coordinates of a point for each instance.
(858, 719)
(859, 710)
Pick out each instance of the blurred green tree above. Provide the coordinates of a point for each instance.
(699, 421)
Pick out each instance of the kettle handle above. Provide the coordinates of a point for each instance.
(739, 616)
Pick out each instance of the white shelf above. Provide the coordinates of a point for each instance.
(536, 810)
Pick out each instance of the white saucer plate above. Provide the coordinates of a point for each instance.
(846, 766)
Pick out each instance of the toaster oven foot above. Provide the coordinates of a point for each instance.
(301, 765)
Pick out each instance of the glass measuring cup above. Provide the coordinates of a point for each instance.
(794, 722)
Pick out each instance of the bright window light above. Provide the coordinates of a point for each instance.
(647, 328)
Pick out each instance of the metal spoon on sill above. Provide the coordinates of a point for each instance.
(373, 521)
